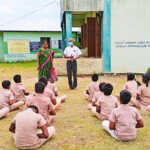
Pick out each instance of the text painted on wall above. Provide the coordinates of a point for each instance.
(132, 44)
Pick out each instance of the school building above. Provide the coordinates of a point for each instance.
(17, 45)
(118, 31)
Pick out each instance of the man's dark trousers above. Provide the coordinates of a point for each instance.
(72, 71)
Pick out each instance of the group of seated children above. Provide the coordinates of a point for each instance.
(140, 93)
(119, 120)
(13, 97)
(39, 108)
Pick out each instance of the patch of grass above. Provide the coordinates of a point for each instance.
(18, 64)
(76, 127)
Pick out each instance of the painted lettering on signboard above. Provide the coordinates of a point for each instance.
(34, 46)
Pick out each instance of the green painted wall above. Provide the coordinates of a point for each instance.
(31, 36)
(1, 46)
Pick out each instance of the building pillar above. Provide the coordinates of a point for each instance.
(107, 36)
(68, 26)
(63, 35)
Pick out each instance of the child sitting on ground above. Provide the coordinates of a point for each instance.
(123, 120)
(105, 104)
(51, 85)
(19, 90)
(97, 95)
(7, 102)
(92, 88)
(144, 93)
(25, 126)
(131, 86)
(49, 93)
(41, 101)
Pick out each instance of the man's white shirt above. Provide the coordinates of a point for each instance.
(72, 51)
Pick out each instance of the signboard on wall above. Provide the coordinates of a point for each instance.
(18, 46)
(34, 46)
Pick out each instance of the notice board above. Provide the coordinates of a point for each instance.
(34, 46)
(18, 46)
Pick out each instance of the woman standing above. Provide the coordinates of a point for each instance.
(45, 62)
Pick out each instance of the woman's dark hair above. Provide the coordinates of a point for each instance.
(101, 86)
(17, 78)
(6, 84)
(94, 77)
(125, 97)
(146, 79)
(39, 87)
(130, 76)
(43, 80)
(108, 88)
(35, 108)
(44, 42)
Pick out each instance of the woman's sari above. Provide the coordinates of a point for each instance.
(46, 64)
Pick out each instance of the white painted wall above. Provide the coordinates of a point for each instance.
(82, 5)
(130, 22)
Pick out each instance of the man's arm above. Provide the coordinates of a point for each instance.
(77, 57)
(44, 133)
(12, 127)
(65, 56)
(79, 53)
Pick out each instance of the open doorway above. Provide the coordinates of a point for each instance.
(47, 39)
(91, 36)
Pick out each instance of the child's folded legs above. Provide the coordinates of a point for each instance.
(4, 111)
(16, 105)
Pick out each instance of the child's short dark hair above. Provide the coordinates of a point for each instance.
(34, 107)
(101, 86)
(125, 97)
(95, 77)
(17, 78)
(108, 88)
(146, 79)
(130, 76)
(6, 84)
(44, 80)
(39, 87)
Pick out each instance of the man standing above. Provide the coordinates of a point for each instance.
(72, 53)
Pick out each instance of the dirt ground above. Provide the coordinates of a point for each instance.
(76, 128)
